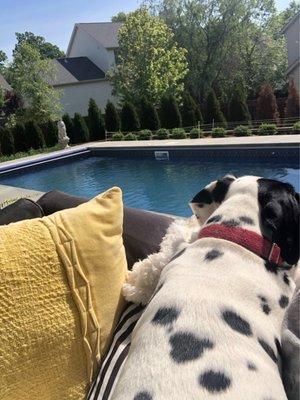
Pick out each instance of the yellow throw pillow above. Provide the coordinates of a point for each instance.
(60, 298)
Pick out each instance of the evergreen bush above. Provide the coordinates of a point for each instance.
(95, 122)
(149, 116)
(296, 127)
(213, 110)
(69, 127)
(117, 136)
(20, 140)
(145, 135)
(129, 118)
(51, 133)
(112, 119)
(162, 134)
(178, 133)
(267, 129)
(238, 108)
(130, 136)
(218, 132)
(81, 132)
(188, 111)
(196, 133)
(7, 142)
(34, 135)
(242, 130)
(170, 116)
(292, 105)
(266, 103)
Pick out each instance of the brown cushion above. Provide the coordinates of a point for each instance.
(20, 210)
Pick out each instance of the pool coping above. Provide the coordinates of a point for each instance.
(236, 143)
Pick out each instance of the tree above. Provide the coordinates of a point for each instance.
(238, 108)
(19, 135)
(51, 134)
(129, 118)
(34, 135)
(120, 17)
(151, 64)
(2, 99)
(3, 59)
(213, 110)
(96, 123)
(149, 116)
(7, 142)
(292, 105)
(266, 103)
(27, 76)
(80, 129)
(112, 119)
(169, 113)
(188, 111)
(69, 127)
(45, 49)
(12, 104)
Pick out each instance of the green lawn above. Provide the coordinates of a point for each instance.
(28, 153)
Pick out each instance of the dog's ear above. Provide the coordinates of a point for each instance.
(214, 192)
(279, 216)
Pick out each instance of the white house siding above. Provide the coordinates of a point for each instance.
(75, 97)
(84, 45)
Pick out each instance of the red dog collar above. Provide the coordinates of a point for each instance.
(250, 240)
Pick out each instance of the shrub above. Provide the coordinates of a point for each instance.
(130, 136)
(51, 134)
(178, 133)
(148, 116)
(19, 134)
(218, 132)
(267, 129)
(112, 119)
(242, 130)
(170, 116)
(238, 108)
(118, 136)
(188, 110)
(7, 142)
(296, 127)
(196, 133)
(266, 103)
(129, 118)
(69, 127)
(95, 122)
(145, 135)
(213, 110)
(162, 134)
(81, 132)
(34, 135)
(292, 105)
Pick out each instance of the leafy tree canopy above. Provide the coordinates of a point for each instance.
(120, 17)
(151, 64)
(46, 49)
(3, 59)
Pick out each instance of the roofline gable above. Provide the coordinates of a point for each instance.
(289, 23)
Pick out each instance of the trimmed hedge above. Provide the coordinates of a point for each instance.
(145, 135)
(34, 136)
(19, 133)
(130, 136)
(196, 133)
(178, 133)
(7, 145)
(162, 134)
(117, 136)
(218, 132)
(51, 133)
(81, 131)
(268, 129)
(296, 127)
(242, 130)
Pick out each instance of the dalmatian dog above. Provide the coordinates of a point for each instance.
(212, 328)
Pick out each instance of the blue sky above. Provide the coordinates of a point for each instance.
(55, 19)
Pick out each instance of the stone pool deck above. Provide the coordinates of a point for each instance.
(7, 192)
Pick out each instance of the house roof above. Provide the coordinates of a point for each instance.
(4, 84)
(75, 70)
(105, 33)
(290, 22)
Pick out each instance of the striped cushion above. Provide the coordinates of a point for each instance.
(111, 367)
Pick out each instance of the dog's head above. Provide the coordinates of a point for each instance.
(277, 205)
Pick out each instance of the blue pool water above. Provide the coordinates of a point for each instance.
(164, 186)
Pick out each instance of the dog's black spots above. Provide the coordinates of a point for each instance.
(251, 366)
(286, 279)
(268, 349)
(203, 197)
(246, 220)
(283, 301)
(165, 316)
(266, 309)
(212, 255)
(231, 222)
(221, 189)
(215, 218)
(186, 346)
(143, 396)
(271, 267)
(237, 323)
(262, 298)
(214, 381)
(278, 347)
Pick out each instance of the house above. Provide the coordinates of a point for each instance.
(81, 75)
(4, 84)
(292, 34)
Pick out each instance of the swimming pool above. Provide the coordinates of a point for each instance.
(163, 186)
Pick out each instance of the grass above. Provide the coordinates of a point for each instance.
(7, 202)
(28, 153)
